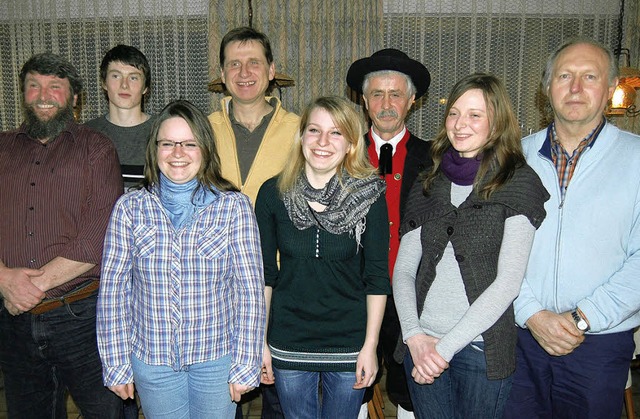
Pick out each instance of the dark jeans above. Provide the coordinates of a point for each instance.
(462, 391)
(396, 384)
(130, 409)
(588, 383)
(44, 355)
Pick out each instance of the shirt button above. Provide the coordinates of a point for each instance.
(32, 260)
(30, 208)
(30, 234)
(397, 176)
(33, 184)
(390, 223)
(37, 162)
(460, 258)
(449, 230)
(412, 223)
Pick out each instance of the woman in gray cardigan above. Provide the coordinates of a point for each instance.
(466, 238)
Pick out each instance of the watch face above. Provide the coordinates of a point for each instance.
(581, 323)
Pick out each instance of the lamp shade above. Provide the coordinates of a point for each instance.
(623, 97)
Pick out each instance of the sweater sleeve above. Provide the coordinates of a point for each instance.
(404, 283)
(498, 297)
(375, 245)
(267, 224)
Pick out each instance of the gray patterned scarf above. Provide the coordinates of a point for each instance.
(347, 203)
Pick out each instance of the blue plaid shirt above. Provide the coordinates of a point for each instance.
(180, 297)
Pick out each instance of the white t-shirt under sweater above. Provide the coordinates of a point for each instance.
(446, 313)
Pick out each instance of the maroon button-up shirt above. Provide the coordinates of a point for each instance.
(56, 199)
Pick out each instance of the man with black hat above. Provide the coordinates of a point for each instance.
(390, 82)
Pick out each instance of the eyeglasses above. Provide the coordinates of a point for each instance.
(169, 145)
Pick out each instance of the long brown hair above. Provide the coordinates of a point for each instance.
(209, 175)
(502, 153)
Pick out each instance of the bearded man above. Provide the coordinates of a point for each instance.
(60, 181)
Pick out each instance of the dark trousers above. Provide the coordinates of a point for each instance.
(130, 409)
(396, 384)
(587, 383)
(44, 355)
(270, 404)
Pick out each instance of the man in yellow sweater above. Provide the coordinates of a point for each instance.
(253, 132)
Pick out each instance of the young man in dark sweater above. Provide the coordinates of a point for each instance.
(126, 80)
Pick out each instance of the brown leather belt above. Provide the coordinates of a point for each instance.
(75, 295)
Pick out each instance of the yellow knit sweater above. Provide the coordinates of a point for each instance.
(271, 156)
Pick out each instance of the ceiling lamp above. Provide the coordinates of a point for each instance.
(624, 96)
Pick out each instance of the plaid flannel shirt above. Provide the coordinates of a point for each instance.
(179, 297)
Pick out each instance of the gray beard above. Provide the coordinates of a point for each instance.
(41, 130)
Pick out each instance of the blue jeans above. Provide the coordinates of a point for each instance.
(462, 391)
(588, 383)
(197, 391)
(300, 399)
(44, 355)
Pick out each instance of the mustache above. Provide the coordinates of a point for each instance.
(386, 113)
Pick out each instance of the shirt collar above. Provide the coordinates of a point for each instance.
(272, 101)
(71, 128)
(586, 142)
(393, 141)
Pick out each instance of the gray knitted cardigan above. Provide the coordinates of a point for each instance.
(475, 229)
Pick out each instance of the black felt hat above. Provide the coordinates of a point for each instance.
(389, 59)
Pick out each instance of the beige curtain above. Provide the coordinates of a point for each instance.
(171, 33)
(313, 41)
(511, 39)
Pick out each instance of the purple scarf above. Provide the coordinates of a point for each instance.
(460, 170)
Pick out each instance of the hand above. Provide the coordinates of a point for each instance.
(13, 310)
(366, 367)
(237, 390)
(428, 362)
(124, 391)
(18, 290)
(266, 374)
(556, 333)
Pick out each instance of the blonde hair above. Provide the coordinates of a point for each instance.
(350, 123)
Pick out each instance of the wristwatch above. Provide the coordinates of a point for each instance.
(580, 322)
